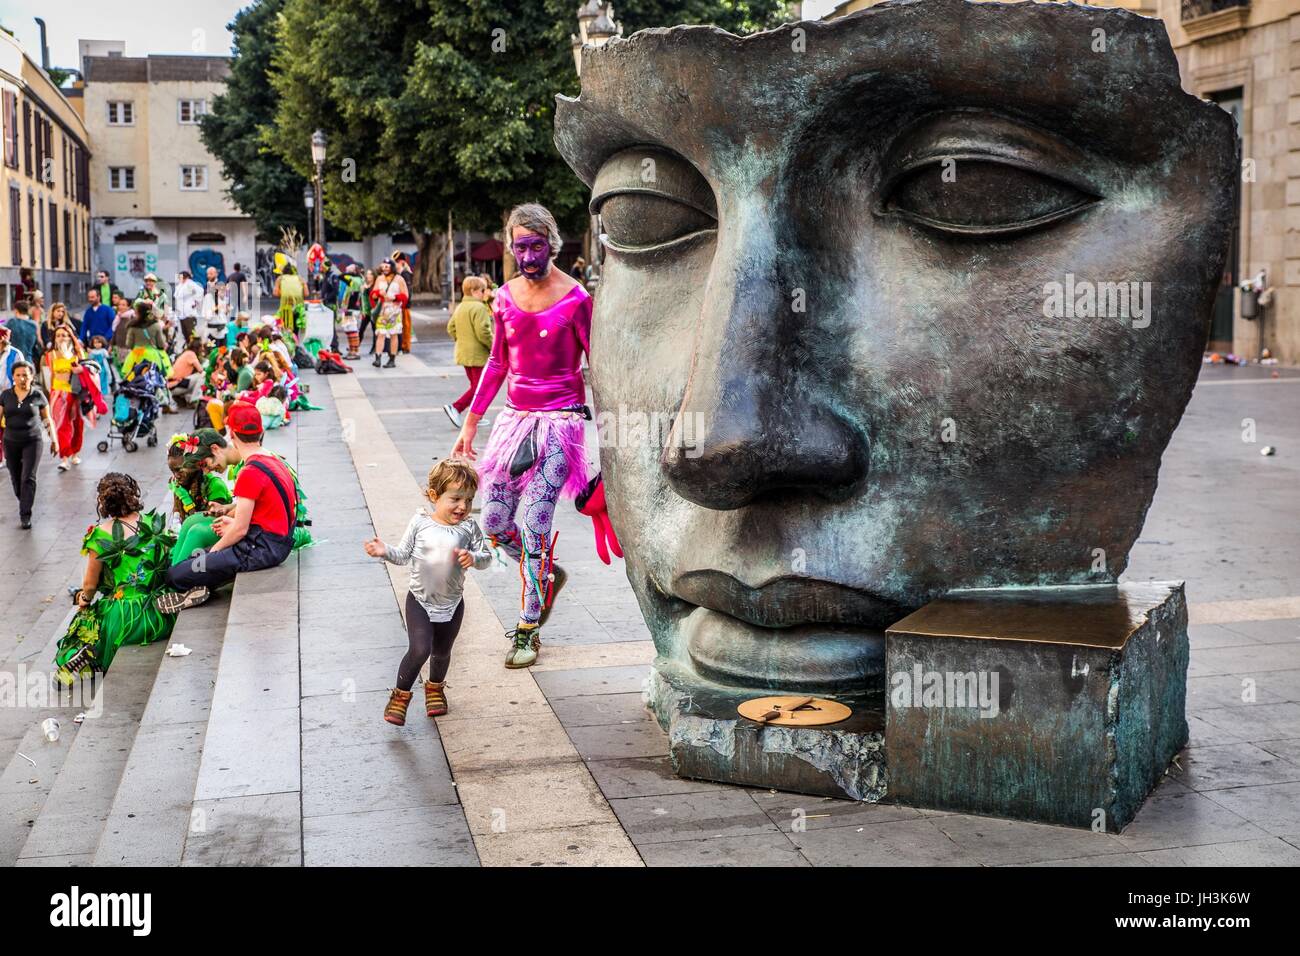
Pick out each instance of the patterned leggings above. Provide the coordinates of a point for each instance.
(533, 508)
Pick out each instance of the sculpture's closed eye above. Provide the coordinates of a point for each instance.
(649, 199)
(978, 197)
(641, 221)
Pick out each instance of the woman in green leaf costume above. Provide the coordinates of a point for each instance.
(194, 489)
(127, 557)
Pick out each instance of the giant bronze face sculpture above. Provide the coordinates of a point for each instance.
(924, 291)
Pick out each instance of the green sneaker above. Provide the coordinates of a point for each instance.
(524, 644)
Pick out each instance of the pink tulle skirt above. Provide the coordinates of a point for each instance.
(510, 429)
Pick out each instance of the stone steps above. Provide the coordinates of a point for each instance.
(66, 831)
(150, 815)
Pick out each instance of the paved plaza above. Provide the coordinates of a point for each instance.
(265, 744)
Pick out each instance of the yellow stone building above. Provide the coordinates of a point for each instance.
(45, 195)
(1244, 55)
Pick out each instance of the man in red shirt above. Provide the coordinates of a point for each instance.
(256, 534)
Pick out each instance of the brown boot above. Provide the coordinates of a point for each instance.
(395, 712)
(435, 700)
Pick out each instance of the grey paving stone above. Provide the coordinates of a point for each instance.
(601, 709)
(1273, 807)
(1204, 734)
(691, 816)
(898, 843)
(341, 720)
(1206, 636)
(996, 842)
(357, 634)
(260, 830)
(1227, 690)
(591, 680)
(282, 578)
(619, 740)
(1250, 660)
(1109, 860)
(1232, 765)
(1268, 632)
(790, 811)
(1256, 722)
(1288, 749)
(643, 777)
(368, 574)
(277, 609)
(351, 670)
(596, 634)
(161, 769)
(419, 836)
(74, 859)
(1283, 684)
(146, 838)
(761, 850)
(346, 604)
(388, 775)
(1268, 852)
(1174, 816)
(250, 753)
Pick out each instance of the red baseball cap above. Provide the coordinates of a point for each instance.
(244, 420)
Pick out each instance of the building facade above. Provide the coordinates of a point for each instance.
(1245, 56)
(159, 198)
(45, 189)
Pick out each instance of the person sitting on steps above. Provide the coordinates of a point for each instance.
(257, 534)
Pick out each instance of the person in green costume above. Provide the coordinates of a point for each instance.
(221, 460)
(195, 490)
(127, 556)
(292, 314)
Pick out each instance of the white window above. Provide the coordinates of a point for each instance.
(194, 178)
(189, 111)
(121, 113)
(121, 179)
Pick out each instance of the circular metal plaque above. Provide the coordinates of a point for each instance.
(788, 712)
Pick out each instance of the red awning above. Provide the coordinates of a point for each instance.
(487, 251)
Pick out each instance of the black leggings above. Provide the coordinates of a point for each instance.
(430, 641)
(24, 457)
(367, 321)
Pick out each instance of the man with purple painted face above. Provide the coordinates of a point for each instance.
(536, 453)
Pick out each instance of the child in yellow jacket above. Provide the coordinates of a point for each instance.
(470, 327)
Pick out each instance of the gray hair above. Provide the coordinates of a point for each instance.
(535, 218)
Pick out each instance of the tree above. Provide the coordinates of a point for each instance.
(443, 107)
(240, 119)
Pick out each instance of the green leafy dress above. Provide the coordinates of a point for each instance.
(196, 532)
(134, 565)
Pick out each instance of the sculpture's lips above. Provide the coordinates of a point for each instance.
(787, 602)
(792, 633)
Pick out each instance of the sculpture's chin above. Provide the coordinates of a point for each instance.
(820, 658)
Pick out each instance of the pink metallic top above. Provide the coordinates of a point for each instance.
(537, 354)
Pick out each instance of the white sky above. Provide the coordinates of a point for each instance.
(147, 26)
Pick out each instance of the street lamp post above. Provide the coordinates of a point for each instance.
(318, 157)
(309, 200)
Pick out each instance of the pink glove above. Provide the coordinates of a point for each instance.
(592, 503)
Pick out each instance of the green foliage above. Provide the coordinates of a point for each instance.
(264, 186)
(431, 106)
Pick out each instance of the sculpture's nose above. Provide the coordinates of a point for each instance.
(756, 419)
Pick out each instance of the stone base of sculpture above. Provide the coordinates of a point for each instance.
(1058, 705)
(1079, 699)
(709, 740)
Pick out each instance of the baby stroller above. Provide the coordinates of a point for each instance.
(136, 408)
